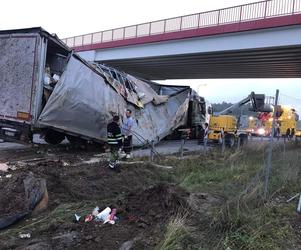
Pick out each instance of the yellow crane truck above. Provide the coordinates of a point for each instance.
(224, 126)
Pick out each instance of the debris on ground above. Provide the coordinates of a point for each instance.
(25, 236)
(77, 217)
(89, 218)
(4, 167)
(136, 198)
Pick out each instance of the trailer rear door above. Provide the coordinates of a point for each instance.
(17, 76)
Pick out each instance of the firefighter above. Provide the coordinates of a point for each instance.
(114, 140)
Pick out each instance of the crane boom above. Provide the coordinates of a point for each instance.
(257, 104)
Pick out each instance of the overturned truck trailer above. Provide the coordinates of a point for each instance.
(46, 88)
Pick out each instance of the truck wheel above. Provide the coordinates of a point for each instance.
(76, 141)
(230, 140)
(54, 137)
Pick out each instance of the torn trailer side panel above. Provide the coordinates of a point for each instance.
(83, 103)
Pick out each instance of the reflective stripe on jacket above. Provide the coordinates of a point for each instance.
(114, 134)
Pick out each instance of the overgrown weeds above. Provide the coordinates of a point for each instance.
(245, 219)
(175, 235)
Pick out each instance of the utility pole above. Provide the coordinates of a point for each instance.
(270, 149)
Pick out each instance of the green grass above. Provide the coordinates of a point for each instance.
(244, 219)
(175, 234)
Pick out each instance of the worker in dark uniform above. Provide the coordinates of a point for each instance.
(288, 133)
(114, 140)
(292, 133)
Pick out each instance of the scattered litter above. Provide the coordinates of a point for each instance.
(77, 217)
(95, 211)
(110, 222)
(113, 214)
(12, 167)
(104, 214)
(107, 215)
(91, 161)
(65, 164)
(8, 175)
(294, 197)
(4, 167)
(89, 218)
(25, 236)
(127, 245)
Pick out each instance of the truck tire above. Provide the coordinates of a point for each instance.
(76, 141)
(229, 140)
(54, 137)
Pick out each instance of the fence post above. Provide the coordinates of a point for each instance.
(92, 38)
(152, 150)
(181, 23)
(299, 205)
(218, 17)
(238, 144)
(182, 147)
(270, 149)
(265, 9)
(223, 144)
(136, 30)
(293, 10)
(284, 148)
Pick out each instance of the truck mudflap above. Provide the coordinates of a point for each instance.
(15, 131)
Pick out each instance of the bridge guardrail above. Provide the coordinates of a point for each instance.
(237, 14)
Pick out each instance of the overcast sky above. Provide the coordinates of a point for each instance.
(69, 18)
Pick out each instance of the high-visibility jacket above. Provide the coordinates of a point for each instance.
(114, 134)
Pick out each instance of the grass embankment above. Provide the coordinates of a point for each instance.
(243, 219)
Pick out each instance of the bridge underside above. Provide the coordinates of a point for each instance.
(276, 62)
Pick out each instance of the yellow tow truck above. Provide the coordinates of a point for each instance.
(224, 126)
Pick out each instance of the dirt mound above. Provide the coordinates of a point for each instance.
(157, 203)
(143, 205)
(12, 194)
(19, 195)
(92, 182)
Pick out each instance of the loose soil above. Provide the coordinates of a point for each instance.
(12, 188)
(144, 205)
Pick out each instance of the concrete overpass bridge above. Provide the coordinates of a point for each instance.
(257, 40)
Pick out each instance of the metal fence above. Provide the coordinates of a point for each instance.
(238, 14)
